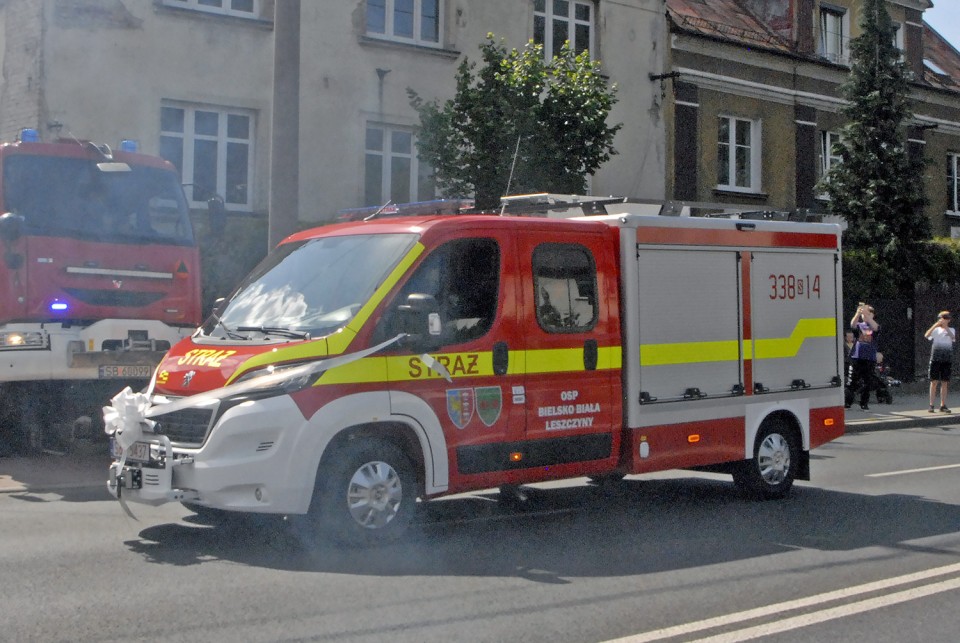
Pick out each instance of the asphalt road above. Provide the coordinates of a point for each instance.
(867, 551)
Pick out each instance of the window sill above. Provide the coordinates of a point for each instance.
(387, 43)
(741, 194)
(952, 214)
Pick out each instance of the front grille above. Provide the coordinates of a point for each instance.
(186, 426)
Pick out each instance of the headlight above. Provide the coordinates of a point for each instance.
(279, 379)
(25, 340)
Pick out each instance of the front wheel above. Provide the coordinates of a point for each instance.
(773, 468)
(366, 493)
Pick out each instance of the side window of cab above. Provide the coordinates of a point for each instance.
(565, 283)
(464, 278)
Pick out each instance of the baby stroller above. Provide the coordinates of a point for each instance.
(883, 381)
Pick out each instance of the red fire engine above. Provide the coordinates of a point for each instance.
(100, 277)
(366, 365)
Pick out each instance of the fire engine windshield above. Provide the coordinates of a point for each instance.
(70, 197)
(309, 288)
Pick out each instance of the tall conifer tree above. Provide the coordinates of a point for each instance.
(877, 187)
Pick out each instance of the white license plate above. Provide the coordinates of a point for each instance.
(138, 451)
(125, 371)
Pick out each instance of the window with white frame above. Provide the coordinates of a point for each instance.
(213, 148)
(558, 21)
(953, 183)
(241, 8)
(416, 21)
(392, 171)
(834, 34)
(738, 154)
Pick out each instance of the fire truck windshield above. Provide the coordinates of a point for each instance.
(310, 288)
(71, 197)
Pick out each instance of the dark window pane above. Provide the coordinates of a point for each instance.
(561, 8)
(539, 5)
(401, 142)
(242, 5)
(724, 130)
(582, 11)
(400, 180)
(206, 123)
(171, 119)
(204, 170)
(743, 133)
(376, 16)
(430, 21)
(373, 180)
(582, 39)
(403, 18)
(238, 126)
(374, 138)
(237, 157)
(743, 167)
(210, 3)
(559, 36)
(171, 148)
(426, 184)
(539, 30)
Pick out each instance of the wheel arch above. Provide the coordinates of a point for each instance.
(795, 417)
(415, 429)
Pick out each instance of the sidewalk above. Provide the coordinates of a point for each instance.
(86, 464)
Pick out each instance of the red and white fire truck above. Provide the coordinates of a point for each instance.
(99, 278)
(366, 365)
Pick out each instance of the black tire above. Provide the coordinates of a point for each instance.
(365, 494)
(607, 479)
(770, 473)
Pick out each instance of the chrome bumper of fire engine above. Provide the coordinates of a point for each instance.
(149, 483)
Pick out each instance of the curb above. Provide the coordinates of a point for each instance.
(899, 420)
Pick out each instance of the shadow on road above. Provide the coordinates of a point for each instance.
(634, 527)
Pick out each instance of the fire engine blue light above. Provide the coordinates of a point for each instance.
(58, 306)
(129, 145)
(29, 135)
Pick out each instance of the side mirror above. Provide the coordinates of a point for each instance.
(11, 227)
(420, 320)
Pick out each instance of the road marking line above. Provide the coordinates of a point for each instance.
(832, 613)
(906, 471)
(767, 610)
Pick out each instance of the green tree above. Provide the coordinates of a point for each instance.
(518, 124)
(876, 187)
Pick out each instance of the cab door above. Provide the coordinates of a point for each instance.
(570, 331)
(470, 277)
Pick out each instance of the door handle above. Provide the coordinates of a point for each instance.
(501, 358)
(590, 352)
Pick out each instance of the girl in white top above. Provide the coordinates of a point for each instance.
(941, 358)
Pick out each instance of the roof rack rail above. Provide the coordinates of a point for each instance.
(577, 205)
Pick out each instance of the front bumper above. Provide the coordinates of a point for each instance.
(244, 465)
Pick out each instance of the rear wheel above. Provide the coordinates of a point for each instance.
(773, 468)
(366, 494)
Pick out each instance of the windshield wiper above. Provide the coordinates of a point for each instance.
(227, 330)
(275, 330)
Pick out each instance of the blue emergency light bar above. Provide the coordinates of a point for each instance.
(129, 145)
(29, 135)
(58, 306)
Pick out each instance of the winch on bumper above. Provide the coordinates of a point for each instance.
(150, 482)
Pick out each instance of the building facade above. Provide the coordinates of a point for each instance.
(754, 110)
(193, 81)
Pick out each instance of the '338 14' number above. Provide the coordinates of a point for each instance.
(794, 287)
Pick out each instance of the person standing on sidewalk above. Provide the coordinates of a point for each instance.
(941, 357)
(864, 354)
